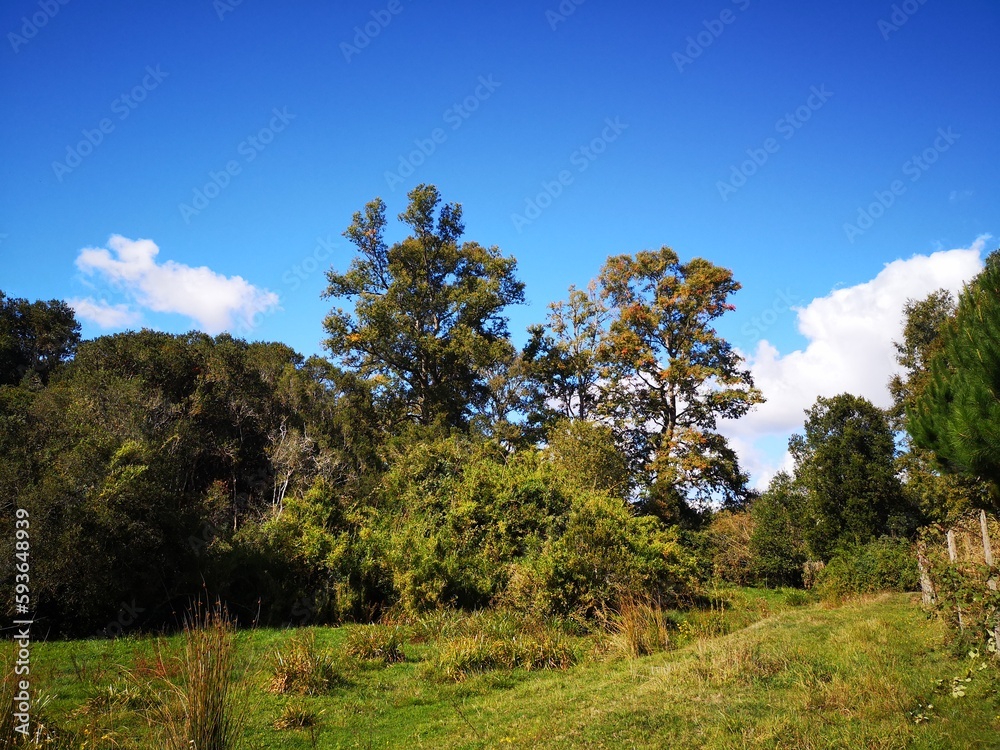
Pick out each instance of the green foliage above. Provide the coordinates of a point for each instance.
(923, 322)
(35, 338)
(965, 589)
(777, 543)
(149, 460)
(586, 452)
(880, 565)
(428, 312)
(845, 461)
(465, 523)
(454, 514)
(939, 496)
(604, 554)
(298, 559)
(957, 414)
(562, 358)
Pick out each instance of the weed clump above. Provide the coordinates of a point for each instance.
(544, 649)
(303, 669)
(379, 643)
(202, 708)
(639, 628)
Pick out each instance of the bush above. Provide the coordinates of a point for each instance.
(882, 565)
(776, 547)
(296, 561)
(468, 525)
(604, 554)
(729, 537)
(455, 514)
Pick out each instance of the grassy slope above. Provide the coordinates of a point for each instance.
(808, 677)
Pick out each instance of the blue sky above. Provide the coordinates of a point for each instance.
(837, 103)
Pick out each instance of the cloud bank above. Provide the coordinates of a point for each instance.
(214, 302)
(850, 334)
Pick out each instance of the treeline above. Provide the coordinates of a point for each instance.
(428, 462)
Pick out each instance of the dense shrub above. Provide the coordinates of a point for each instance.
(469, 524)
(604, 554)
(777, 548)
(882, 565)
(729, 535)
(587, 452)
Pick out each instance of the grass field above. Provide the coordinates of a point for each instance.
(766, 670)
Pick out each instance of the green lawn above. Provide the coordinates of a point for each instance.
(811, 676)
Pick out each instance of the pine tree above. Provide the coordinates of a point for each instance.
(958, 414)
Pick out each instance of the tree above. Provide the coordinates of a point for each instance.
(938, 495)
(670, 377)
(562, 358)
(924, 321)
(957, 414)
(777, 545)
(428, 312)
(845, 461)
(35, 337)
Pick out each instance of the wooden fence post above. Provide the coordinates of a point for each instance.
(988, 555)
(953, 557)
(987, 547)
(924, 568)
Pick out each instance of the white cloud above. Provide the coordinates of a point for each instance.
(850, 333)
(103, 313)
(215, 302)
